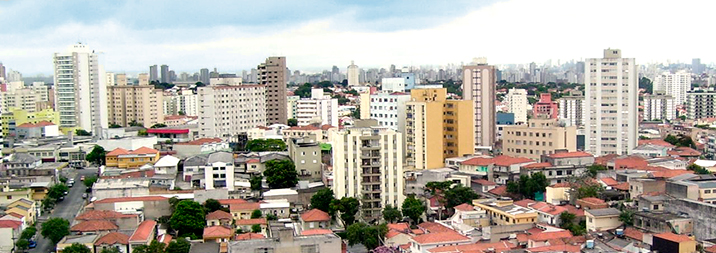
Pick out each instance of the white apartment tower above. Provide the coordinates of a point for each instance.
(368, 165)
(674, 84)
(571, 109)
(659, 107)
(353, 75)
(389, 109)
(80, 89)
(611, 98)
(478, 84)
(226, 111)
(319, 109)
(516, 101)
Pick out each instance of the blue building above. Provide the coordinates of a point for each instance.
(409, 80)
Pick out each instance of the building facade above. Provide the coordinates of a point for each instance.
(611, 97)
(538, 137)
(659, 107)
(389, 109)
(132, 103)
(545, 107)
(226, 111)
(353, 75)
(516, 101)
(674, 84)
(571, 109)
(319, 109)
(273, 77)
(700, 104)
(478, 84)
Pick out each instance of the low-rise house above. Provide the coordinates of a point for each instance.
(436, 235)
(651, 203)
(25, 207)
(121, 187)
(249, 236)
(151, 207)
(280, 208)
(85, 239)
(660, 222)
(469, 215)
(592, 203)
(310, 133)
(507, 168)
(39, 130)
(94, 227)
(247, 224)
(548, 213)
(639, 186)
(125, 159)
(398, 234)
(650, 150)
(285, 241)
(670, 242)
(200, 146)
(315, 218)
(482, 185)
(219, 218)
(9, 229)
(219, 234)
(478, 166)
(602, 219)
(242, 211)
(8, 195)
(144, 234)
(112, 240)
(558, 193)
(123, 221)
(194, 169)
(505, 212)
(167, 165)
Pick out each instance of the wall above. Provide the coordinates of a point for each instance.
(702, 214)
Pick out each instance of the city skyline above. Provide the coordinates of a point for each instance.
(374, 36)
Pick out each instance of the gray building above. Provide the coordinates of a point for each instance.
(699, 104)
(284, 241)
(153, 73)
(307, 157)
(273, 76)
(204, 76)
(165, 74)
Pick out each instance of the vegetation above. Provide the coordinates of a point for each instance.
(56, 191)
(698, 169)
(369, 236)
(180, 245)
(627, 217)
(82, 132)
(256, 182)
(134, 123)
(567, 222)
(281, 174)
(188, 219)
(159, 125)
(680, 141)
(271, 217)
(260, 145)
(111, 250)
(453, 87)
(303, 91)
(528, 186)
(153, 247)
(161, 86)
(391, 214)
(256, 214)
(356, 113)
(256, 228)
(458, 195)
(55, 228)
(96, 156)
(292, 122)
(589, 190)
(594, 169)
(413, 208)
(142, 132)
(646, 84)
(211, 205)
(113, 125)
(348, 207)
(77, 248)
(322, 200)
(89, 181)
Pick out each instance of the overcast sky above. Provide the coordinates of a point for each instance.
(315, 35)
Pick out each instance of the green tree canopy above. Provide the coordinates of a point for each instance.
(391, 214)
(256, 182)
(594, 169)
(281, 174)
(211, 205)
(348, 207)
(188, 218)
(627, 217)
(256, 214)
(458, 195)
(77, 248)
(322, 200)
(435, 186)
(89, 181)
(369, 236)
(589, 190)
(159, 125)
(113, 125)
(22, 244)
(111, 250)
(413, 208)
(82, 132)
(56, 191)
(180, 245)
(698, 169)
(55, 228)
(153, 247)
(28, 233)
(303, 91)
(256, 228)
(529, 185)
(292, 122)
(96, 156)
(260, 145)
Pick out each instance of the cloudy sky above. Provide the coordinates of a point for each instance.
(234, 35)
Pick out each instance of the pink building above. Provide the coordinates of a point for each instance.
(545, 107)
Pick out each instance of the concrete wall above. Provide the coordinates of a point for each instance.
(702, 214)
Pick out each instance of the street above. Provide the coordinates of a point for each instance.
(66, 209)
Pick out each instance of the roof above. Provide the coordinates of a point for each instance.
(317, 231)
(657, 142)
(441, 237)
(465, 207)
(260, 221)
(545, 236)
(315, 215)
(103, 215)
(197, 160)
(231, 201)
(500, 190)
(143, 232)
(249, 236)
(217, 232)
(392, 233)
(574, 154)
(201, 141)
(593, 200)
(548, 208)
(624, 186)
(218, 215)
(609, 181)
(603, 212)
(302, 128)
(245, 206)
(524, 202)
(670, 173)
(254, 160)
(139, 151)
(94, 225)
(10, 224)
(167, 131)
(504, 160)
(633, 233)
(224, 157)
(478, 161)
(165, 238)
(402, 227)
(537, 165)
(433, 227)
(167, 161)
(479, 247)
(483, 182)
(113, 238)
(557, 248)
(130, 199)
(561, 185)
(684, 151)
(674, 237)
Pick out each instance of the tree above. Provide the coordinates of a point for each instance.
(356, 113)
(113, 125)
(111, 250)
(391, 214)
(627, 217)
(134, 123)
(173, 202)
(589, 190)
(82, 132)
(528, 185)
(260, 145)
(594, 169)
(63, 179)
(181, 113)
(55, 228)
(413, 208)
(48, 203)
(256, 228)
(646, 84)
(685, 141)
(256, 214)
(281, 174)
(211, 205)
(348, 207)
(671, 139)
(256, 182)
(77, 248)
(303, 91)
(142, 132)
(271, 216)
(458, 195)
(354, 233)
(57, 191)
(97, 155)
(292, 122)
(435, 186)
(698, 169)
(159, 125)
(89, 181)
(188, 218)
(567, 219)
(153, 247)
(22, 244)
(325, 84)
(181, 245)
(369, 236)
(322, 200)
(28, 233)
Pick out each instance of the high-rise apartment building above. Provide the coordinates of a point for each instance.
(478, 84)
(538, 137)
(273, 77)
(674, 84)
(120, 80)
(204, 76)
(153, 73)
(135, 104)
(25, 99)
(183, 102)
(545, 107)
(571, 109)
(367, 165)
(226, 111)
(80, 89)
(700, 104)
(436, 128)
(389, 109)
(659, 107)
(165, 77)
(611, 98)
(353, 75)
(516, 101)
(143, 79)
(319, 109)
(2, 71)
(697, 67)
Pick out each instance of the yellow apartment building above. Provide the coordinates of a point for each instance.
(129, 159)
(16, 117)
(538, 137)
(505, 212)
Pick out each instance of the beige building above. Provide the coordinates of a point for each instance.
(128, 103)
(478, 85)
(516, 101)
(143, 79)
(538, 137)
(602, 219)
(505, 212)
(272, 76)
(229, 110)
(25, 99)
(436, 128)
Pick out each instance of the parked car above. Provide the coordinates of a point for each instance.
(82, 178)
(32, 244)
(84, 195)
(66, 193)
(61, 198)
(70, 184)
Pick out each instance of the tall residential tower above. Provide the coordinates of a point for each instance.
(478, 84)
(272, 75)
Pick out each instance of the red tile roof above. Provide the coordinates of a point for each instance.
(44, 123)
(392, 233)
(94, 225)
(711, 249)
(684, 152)
(433, 227)
(305, 128)
(657, 142)
(214, 232)
(670, 173)
(465, 207)
(139, 151)
(673, 237)
(317, 231)
(418, 231)
(593, 200)
(10, 224)
(609, 181)
(561, 185)
(570, 155)
(113, 238)
(548, 208)
(326, 127)
(26, 125)
(544, 236)
(253, 161)
(117, 151)
(504, 160)
(167, 131)
(478, 161)
(479, 247)
(633, 233)
(403, 227)
(500, 190)
(524, 202)
(218, 215)
(165, 238)
(231, 201)
(537, 165)
(574, 210)
(131, 199)
(245, 206)
(249, 236)
(201, 141)
(441, 237)
(623, 186)
(260, 221)
(557, 248)
(483, 182)
(142, 233)
(103, 215)
(16, 214)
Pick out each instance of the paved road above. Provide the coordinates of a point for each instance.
(66, 209)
